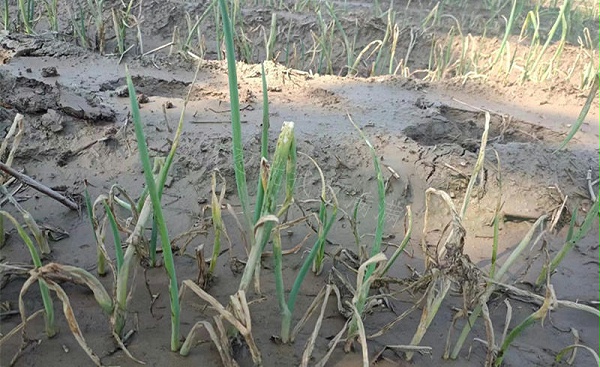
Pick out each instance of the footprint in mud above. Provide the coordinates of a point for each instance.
(464, 128)
(149, 86)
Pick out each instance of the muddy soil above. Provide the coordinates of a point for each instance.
(427, 133)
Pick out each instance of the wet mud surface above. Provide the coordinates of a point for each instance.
(77, 127)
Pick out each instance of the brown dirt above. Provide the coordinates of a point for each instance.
(427, 132)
